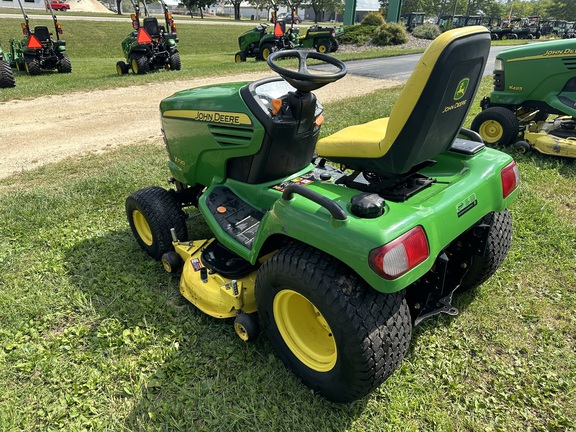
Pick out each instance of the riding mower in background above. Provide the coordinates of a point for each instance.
(38, 51)
(532, 83)
(150, 46)
(6, 75)
(335, 247)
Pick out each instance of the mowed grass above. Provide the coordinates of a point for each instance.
(95, 335)
(94, 47)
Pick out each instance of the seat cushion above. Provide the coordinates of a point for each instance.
(363, 140)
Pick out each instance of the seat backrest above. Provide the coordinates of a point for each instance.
(434, 103)
(150, 24)
(42, 33)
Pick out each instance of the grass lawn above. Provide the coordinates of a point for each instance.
(94, 48)
(95, 335)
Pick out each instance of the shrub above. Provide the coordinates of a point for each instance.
(390, 34)
(373, 19)
(357, 34)
(427, 31)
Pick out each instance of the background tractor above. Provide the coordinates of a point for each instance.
(335, 247)
(534, 99)
(6, 75)
(150, 46)
(38, 51)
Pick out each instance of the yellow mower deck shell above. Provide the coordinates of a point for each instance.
(216, 296)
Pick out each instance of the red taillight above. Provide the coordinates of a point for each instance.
(510, 177)
(401, 255)
(33, 42)
(143, 37)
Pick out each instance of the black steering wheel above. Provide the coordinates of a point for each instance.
(302, 79)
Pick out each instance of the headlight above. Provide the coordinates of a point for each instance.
(498, 65)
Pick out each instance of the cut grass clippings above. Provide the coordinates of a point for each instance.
(95, 335)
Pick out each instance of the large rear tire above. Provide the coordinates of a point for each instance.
(151, 213)
(6, 75)
(498, 126)
(175, 63)
(139, 64)
(32, 66)
(497, 247)
(341, 337)
(64, 64)
(266, 50)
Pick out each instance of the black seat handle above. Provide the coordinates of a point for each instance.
(334, 209)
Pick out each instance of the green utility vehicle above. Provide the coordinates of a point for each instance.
(150, 46)
(260, 43)
(6, 75)
(531, 83)
(335, 247)
(38, 51)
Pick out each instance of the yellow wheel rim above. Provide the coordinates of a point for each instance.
(241, 332)
(304, 330)
(491, 131)
(134, 64)
(237, 58)
(118, 70)
(142, 227)
(266, 53)
(322, 49)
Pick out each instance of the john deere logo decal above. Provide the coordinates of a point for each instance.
(461, 89)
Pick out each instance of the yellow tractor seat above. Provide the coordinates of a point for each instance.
(428, 114)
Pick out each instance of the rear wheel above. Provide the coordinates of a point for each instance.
(139, 64)
(322, 48)
(496, 126)
(151, 213)
(6, 75)
(334, 45)
(336, 333)
(498, 244)
(32, 66)
(64, 64)
(175, 63)
(266, 50)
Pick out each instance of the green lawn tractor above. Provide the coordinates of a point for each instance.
(6, 75)
(336, 247)
(150, 46)
(38, 51)
(533, 100)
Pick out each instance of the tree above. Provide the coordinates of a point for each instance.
(321, 6)
(192, 5)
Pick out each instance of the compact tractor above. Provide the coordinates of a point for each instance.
(335, 247)
(6, 75)
(533, 100)
(150, 46)
(38, 51)
(260, 43)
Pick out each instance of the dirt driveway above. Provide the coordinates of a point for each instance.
(101, 120)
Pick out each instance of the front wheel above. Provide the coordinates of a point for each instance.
(341, 337)
(6, 75)
(496, 125)
(240, 57)
(151, 213)
(121, 68)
